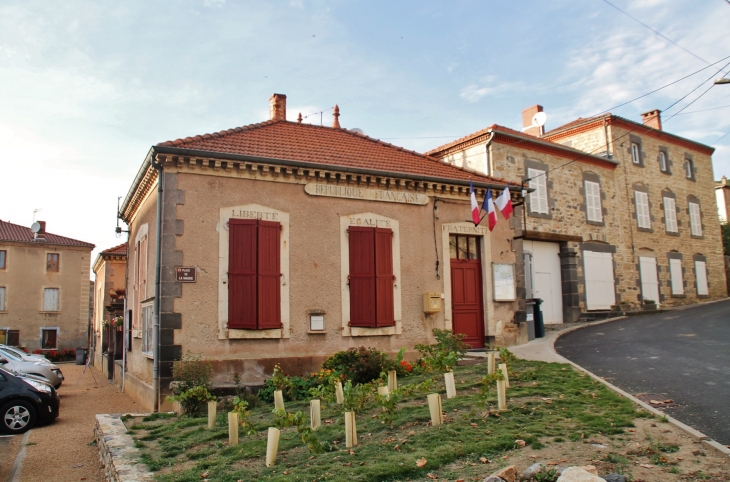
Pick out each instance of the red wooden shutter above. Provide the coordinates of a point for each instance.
(269, 275)
(384, 277)
(242, 274)
(362, 276)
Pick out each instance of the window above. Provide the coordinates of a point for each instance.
(254, 286)
(593, 201)
(670, 215)
(50, 299)
(695, 221)
(52, 262)
(371, 277)
(140, 275)
(12, 338)
(675, 272)
(539, 197)
(635, 153)
(2, 299)
(663, 165)
(148, 325)
(3, 255)
(643, 218)
(463, 247)
(49, 338)
(701, 274)
(688, 169)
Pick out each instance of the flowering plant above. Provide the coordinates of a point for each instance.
(118, 321)
(406, 366)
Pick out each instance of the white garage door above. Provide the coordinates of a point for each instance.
(600, 291)
(649, 281)
(546, 280)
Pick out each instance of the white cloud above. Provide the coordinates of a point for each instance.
(213, 3)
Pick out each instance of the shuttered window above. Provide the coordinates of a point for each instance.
(371, 277)
(675, 271)
(49, 339)
(670, 215)
(539, 197)
(254, 293)
(695, 221)
(53, 262)
(593, 201)
(642, 209)
(2, 298)
(50, 299)
(701, 273)
(13, 338)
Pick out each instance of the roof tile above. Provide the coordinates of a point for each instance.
(20, 234)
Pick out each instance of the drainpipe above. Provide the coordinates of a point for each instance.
(489, 154)
(156, 306)
(127, 322)
(609, 155)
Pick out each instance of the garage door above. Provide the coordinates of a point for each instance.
(546, 280)
(649, 281)
(600, 291)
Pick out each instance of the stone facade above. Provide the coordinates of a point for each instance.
(662, 173)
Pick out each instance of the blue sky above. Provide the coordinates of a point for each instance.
(87, 87)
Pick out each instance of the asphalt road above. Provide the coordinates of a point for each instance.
(682, 354)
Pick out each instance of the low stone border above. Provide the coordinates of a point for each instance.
(706, 441)
(121, 459)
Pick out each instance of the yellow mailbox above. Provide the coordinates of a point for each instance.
(432, 302)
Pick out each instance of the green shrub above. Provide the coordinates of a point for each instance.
(360, 365)
(443, 355)
(189, 372)
(193, 400)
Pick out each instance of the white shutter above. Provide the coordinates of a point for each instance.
(538, 198)
(642, 209)
(50, 299)
(649, 281)
(701, 273)
(2, 298)
(593, 201)
(695, 222)
(675, 270)
(599, 280)
(670, 215)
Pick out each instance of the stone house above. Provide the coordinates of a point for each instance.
(672, 250)
(722, 196)
(585, 247)
(44, 288)
(110, 280)
(283, 242)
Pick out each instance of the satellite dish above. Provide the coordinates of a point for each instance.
(358, 130)
(539, 119)
(35, 227)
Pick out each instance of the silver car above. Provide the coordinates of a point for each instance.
(39, 369)
(25, 356)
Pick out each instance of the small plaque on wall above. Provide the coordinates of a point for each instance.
(503, 278)
(186, 275)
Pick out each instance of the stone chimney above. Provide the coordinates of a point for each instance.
(527, 126)
(336, 116)
(277, 107)
(41, 234)
(653, 118)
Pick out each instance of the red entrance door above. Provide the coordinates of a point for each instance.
(466, 289)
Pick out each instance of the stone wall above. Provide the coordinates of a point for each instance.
(118, 455)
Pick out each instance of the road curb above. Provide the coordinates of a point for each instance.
(694, 433)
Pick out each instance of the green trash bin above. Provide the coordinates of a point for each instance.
(537, 315)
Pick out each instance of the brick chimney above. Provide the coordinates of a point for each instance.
(41, 234)
(277, 107)
(336, 117)
(653, 118)
(527, 126)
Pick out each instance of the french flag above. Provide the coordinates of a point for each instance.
(474, 205)
(489, 208)
(504, 203)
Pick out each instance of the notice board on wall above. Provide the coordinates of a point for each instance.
(503, 279)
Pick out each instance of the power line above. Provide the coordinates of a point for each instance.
(726, 134)
(655, 31)
(703, 110)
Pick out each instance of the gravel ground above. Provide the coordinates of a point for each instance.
(61, 450)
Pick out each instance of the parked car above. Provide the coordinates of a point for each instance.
(25, 356)
(25, 402)
(40, 369)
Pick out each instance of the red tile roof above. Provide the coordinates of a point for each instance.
(121, 249)
(20, 234)
(277, 139)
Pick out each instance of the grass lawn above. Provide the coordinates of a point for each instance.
(547, 403)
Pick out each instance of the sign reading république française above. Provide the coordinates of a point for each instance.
(352, 192)
(185, 275)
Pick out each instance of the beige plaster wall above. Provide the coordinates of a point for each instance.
(25, 277)
(314, 271)
(109, 276)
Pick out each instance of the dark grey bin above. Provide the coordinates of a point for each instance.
(80, 355)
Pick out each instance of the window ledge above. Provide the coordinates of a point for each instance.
(316, 332)
(384, 331)
(50, 312)
(148, 355)
(234, 334)
(678, 296)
